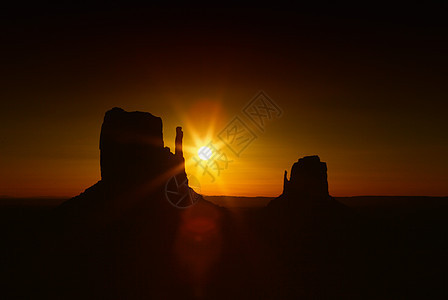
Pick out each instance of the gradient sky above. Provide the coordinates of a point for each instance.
(363, 88)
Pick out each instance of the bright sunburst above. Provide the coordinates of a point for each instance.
(205, 153)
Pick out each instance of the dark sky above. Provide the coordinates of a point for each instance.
(364, 87)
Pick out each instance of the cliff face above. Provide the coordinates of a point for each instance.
(128, 142)
(132, 148)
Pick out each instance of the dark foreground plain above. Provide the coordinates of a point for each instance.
(392, 248)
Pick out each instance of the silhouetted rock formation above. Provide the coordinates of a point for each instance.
(307, 185)
(134, 164)
(129, 142)
(132, 148)
(308, 178)
(124, 230)
(309, 226)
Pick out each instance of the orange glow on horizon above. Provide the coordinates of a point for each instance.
(66, 166)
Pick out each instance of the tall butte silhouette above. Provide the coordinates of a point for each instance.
(134, 164)
(125, 236)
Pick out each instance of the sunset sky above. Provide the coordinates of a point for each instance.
(366, 90)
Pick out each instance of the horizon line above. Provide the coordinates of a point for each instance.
(258, 196)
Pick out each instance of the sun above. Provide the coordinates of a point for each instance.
(205, 153)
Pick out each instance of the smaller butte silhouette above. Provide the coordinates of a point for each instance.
(306, 190)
